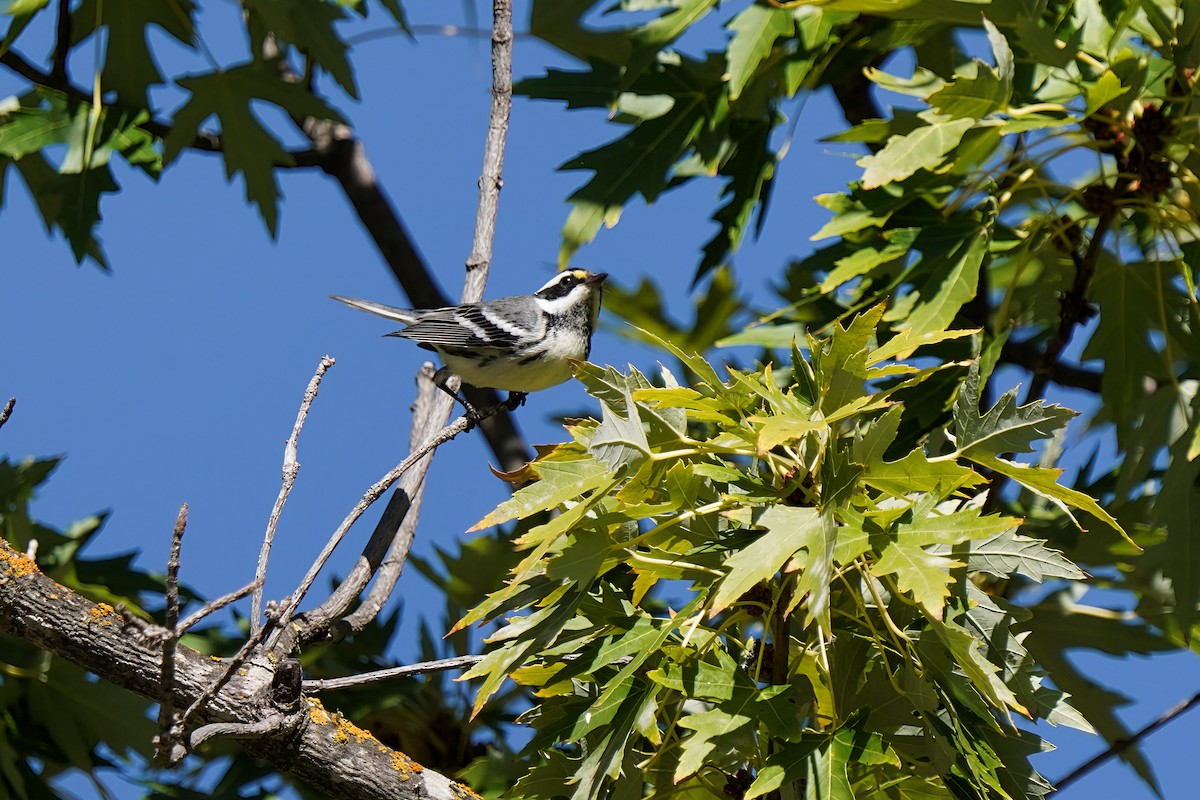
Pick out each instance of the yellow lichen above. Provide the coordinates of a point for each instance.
(16, 565)
(102, 614)
(461, 790)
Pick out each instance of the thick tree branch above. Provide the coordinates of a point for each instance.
(324, 750)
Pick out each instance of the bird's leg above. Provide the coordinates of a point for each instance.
(515, 400)
(439, 380)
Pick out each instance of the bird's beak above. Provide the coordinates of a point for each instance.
(596, 279)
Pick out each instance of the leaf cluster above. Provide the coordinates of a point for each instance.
(748, 578)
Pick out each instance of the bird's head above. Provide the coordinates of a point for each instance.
(572, 291)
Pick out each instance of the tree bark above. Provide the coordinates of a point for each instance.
(323, 749)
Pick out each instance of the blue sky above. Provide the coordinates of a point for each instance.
(177, 376)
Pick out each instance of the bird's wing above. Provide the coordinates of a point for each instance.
(398, 314)
(470, 327)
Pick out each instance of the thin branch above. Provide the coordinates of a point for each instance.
(1028, 356)
(380, 675)
(213, 606)
(167, 750)
(290, 468)
(269, 726)
(281, 625)
(491, 180)
(6, 412)
(1074, 309)
(366, 501)
(1121, 745)
(385, 552)
(344, 158)
(410, 670)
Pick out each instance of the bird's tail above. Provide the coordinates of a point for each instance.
(390, 312)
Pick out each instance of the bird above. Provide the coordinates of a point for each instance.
(516, 344)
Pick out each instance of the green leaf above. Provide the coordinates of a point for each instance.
(926, 576)
(129, 66)
(1123, 293)
(787, 764)
(924, 148)
(1044, 483)
(1006, 427)
(951, 260)
(755, 31)
(983, 674)
(249, 148)
(714, 723)
(558, 481)
(789, 529)
(309, 26)
(638, 162)
(1007, 553)
(1101, 92)
(827, 778)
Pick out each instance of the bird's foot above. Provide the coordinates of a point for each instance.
(515, 400)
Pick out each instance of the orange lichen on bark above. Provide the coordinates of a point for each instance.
(102, 614)
(16, 565)
(464, 791)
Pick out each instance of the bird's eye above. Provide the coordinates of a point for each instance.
(569, 281)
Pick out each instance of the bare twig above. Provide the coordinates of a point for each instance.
(1121, 745)
(255, 639)
(380, 675)
(410, 670)
(6, 412)
(167, 748)
(366, 501)
(290, 468)
(213, 606)
(491, 179)
(273, 724)
(385, 552)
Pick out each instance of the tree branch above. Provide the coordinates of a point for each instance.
(290, 468)
(205, 141)
(324, 750)
(6, 412)
(387, 549)
(1120, 746)
(380, 675)
(343, 157)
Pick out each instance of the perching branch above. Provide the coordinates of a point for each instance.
(492, 180)
(290, 468)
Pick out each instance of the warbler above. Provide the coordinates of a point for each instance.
(518, 344)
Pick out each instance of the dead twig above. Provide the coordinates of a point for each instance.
(6, 412)
(290, 468)
(168, 750)
(380, 675)
(213, 606)
(387, 549)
